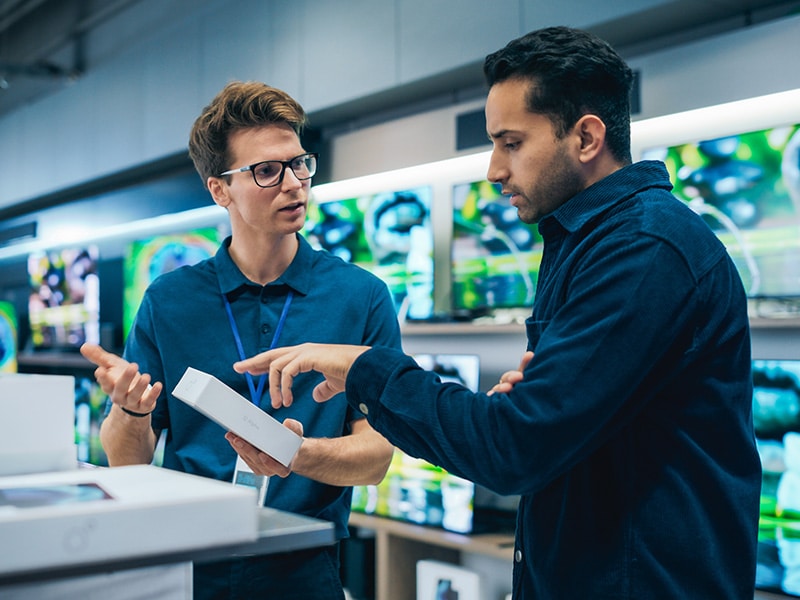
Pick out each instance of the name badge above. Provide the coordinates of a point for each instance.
(243, 475)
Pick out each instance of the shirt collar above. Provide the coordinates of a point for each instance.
(611, 190)
(297, 276)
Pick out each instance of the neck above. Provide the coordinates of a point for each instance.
(263, 260)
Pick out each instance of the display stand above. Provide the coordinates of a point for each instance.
(279, 531)
(399, 545)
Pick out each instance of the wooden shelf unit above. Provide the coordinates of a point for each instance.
(399, 545)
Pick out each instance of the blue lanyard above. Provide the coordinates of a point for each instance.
(256, 393)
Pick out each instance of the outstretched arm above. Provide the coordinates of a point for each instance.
(360, 458)
(333, 361)
(126, 438)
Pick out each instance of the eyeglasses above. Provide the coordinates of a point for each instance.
(269, 173)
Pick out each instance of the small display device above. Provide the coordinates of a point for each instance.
(415, 490)
(243, 475)
(389, 234)
(495, 256)
(746, 186)
(51, 495)
(64, 300)
(229, 409)
(776, 416)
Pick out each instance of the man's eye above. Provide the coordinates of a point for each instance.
(268, 169)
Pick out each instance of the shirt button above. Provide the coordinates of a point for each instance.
(518, 556)
(264, 328)
(363, 408)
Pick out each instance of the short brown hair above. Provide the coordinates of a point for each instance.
(240, 105)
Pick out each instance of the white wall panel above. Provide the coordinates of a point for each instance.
(438, 35)
(116, 110)
(171, 89)
(350, 50)
(69, 150)
(751, 62)
(138, 105)
(579, 13)
(235, 43)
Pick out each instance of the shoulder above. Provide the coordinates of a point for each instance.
(187, 276)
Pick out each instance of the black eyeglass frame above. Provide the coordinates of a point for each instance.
(284, 165)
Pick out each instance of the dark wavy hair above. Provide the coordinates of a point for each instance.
(240, 105)
(572, 73)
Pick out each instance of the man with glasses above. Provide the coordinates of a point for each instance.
(265, 288)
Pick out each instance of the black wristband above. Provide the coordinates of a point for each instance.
(135, 414)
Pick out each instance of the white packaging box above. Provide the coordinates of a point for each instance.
(84, 515)
(443, 581)
(37, 430)
(235, 413)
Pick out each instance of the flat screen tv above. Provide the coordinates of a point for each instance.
(8, 338)
(64, 300)
(495, 257)
(90, 405)
(148, 258)
(388, 234)
(747, 188)
(776, 414)
(416, 491)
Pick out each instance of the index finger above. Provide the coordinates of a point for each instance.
(97, 355)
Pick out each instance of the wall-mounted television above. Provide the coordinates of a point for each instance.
(747, 188)
(416, 491)
(90, 405)
(388, 234)
(776, 415)
(495, 257)
(148, 258)
(8, 338)
(64, 300)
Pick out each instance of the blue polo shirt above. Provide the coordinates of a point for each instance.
(630, 439)
(182, 323)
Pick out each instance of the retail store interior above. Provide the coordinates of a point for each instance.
(96, 102)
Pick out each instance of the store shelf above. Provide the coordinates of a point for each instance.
(775, 322)
(49, 360)
(399, 545)
(461, 328)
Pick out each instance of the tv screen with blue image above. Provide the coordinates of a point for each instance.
(8, 338)
(495, 257)
(776, 415)
(389, 234)
(415, 490)
(747, 188)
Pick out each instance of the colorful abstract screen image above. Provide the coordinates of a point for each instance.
(776, 414)
(90, 408)
(388, 234)
(747, 188)
(416, 491)
(8, 338)
(495, 256)
(64, 300)
(146, 259)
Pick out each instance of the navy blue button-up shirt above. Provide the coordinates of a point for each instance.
(630, 439)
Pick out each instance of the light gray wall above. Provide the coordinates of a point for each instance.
(165, 59)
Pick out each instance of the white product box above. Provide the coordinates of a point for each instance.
(50, 520)
(443, 581)
(165, 582)
(235, 413)
(37, 431)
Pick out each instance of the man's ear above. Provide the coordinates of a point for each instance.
(592, 133)
(218, 190)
